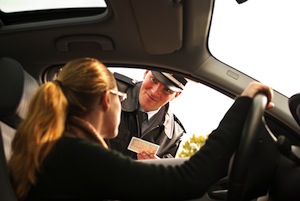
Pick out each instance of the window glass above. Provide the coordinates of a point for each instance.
(29, 5)
(259, 38)
(199, 108)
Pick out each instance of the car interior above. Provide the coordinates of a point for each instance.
(163, 35)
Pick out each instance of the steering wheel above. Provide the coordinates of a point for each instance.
(254, 122)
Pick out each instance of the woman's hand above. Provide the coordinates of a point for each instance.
(255, 87)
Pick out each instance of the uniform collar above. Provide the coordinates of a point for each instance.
(149, 114)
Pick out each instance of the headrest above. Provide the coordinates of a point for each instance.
(16, 89)
(294, 105)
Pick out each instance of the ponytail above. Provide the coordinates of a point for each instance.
(36, 135)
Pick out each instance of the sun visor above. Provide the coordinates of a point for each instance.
(161, 31)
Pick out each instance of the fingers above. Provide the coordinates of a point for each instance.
(256, 87)
(146, 155)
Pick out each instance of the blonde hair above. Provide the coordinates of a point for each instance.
(79, 82)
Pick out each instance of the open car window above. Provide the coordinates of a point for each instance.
(259, 38)
(199, 107)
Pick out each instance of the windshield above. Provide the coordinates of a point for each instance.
(260, 38)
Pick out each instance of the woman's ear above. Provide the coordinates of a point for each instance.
(105, 102)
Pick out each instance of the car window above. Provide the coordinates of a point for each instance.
(14, 12)
(199, 107)
(259, 38)
(21, 5)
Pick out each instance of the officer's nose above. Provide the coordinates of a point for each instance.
(157, 88)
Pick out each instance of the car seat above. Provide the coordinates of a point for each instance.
(16, 89)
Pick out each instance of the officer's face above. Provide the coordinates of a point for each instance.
(154, 94)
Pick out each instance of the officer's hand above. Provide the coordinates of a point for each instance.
(146, 155)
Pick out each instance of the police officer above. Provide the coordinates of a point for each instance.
(146, 115)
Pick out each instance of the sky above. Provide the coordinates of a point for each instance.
(261, 38)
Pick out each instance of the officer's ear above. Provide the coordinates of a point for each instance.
(145, 73)
(177, 94)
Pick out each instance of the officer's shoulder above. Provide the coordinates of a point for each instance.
(124, 82)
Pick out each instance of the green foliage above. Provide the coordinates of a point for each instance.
(191, 146)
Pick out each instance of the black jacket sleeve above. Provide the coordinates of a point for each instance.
(86, 171)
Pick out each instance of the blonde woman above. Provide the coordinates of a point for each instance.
(59, 152)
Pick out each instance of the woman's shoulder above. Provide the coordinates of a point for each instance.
(74, 148)
(70, 143)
